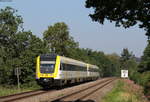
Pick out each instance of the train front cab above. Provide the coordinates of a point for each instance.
(47, 70)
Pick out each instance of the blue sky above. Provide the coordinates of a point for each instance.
(39, 14)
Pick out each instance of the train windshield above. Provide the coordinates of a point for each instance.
(47, 68)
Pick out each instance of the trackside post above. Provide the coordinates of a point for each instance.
(17, 73)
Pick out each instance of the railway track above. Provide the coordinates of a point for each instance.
(84, 93)
(63, 95)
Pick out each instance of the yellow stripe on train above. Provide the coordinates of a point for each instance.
(53, 75)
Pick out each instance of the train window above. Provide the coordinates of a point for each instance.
(47, 68)
(93, 70)
(64, 66)
(70, 67)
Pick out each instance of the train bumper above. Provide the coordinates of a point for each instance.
(45, 81)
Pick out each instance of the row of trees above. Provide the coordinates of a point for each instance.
(144, 70)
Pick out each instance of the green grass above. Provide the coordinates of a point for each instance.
(122, 93)
(8, 90)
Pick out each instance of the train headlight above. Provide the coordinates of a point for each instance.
(45, 80)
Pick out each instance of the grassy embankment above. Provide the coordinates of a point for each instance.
(8, 90)
(125, 91)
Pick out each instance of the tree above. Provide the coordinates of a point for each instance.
(123, 12)
(145, 61)
(126, 56)
(144, 69)
(18, 48)
(59, 40)
(10, 24)
(115, 61)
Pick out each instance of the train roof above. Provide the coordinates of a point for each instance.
(66, 60)
(93, 66)
(77, 62)
(72, 61)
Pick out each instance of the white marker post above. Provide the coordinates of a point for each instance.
(124, 73)
(17, 73)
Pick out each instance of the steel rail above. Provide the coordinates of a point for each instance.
(74, 93)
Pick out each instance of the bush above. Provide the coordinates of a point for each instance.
(145, 79)
(142, 79)
(136, 77)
